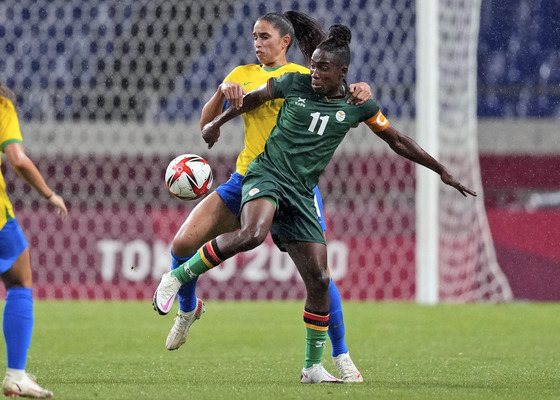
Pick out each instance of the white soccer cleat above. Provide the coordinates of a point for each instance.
(318, 374)
(25, 387)
(166, 293)
(347, 369)
(180, 329)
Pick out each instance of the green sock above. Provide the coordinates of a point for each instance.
(190, 269)
(314, 347)
(316, 327)
(204, 260)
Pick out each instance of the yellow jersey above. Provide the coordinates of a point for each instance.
(9, 133)
(260, 121)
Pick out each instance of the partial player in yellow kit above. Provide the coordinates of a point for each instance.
(15, 264)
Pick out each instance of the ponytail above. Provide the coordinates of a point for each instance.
(308, 33)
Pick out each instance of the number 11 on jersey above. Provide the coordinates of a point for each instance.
(316, 117)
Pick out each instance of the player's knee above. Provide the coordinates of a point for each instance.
(252, 237)
(182, 247)
(318, 282)
(17, 280)
(323, 281)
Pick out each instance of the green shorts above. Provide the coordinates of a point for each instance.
(296, 217)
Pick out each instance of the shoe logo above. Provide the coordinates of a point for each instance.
(165, 306)
(300, 102)
(304, 375)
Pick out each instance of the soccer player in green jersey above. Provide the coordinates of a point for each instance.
(277, 188)
(273, 34)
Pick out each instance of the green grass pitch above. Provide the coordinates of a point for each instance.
(255, 350)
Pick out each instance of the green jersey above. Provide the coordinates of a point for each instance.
(308, 130)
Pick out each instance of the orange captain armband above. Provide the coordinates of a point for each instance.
(378, 122)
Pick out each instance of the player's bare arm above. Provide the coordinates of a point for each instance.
(408, 148)
(27, 170)
(231, 91)
(253, 99)
(212, 108)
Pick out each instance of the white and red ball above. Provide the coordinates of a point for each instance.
(188, 177)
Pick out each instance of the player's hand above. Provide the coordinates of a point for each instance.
(448, 179)
(210, 134)
(360, 93)
(58, 202)
(234, 93)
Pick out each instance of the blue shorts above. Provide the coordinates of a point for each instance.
(12, 244)
(230, 192)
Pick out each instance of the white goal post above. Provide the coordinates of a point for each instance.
(427, 183)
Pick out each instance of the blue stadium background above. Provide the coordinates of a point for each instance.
(518, 61)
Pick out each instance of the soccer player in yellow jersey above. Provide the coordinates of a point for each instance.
(15, 265)
(273, 34)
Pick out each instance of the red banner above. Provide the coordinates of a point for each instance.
(121, 254)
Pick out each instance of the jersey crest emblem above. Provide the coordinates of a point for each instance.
(340, 116)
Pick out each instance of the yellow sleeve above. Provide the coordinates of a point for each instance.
(9, 133)
(9, 125)
(237, 74)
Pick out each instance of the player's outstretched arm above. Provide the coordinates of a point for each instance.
(448, 179)
(408, 148)
(28, 171)
(253, 99)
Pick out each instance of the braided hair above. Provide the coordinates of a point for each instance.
(338, 44)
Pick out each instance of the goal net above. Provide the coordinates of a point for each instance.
(110, 91)
(468, 269)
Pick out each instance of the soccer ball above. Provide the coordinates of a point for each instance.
(188, 177)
